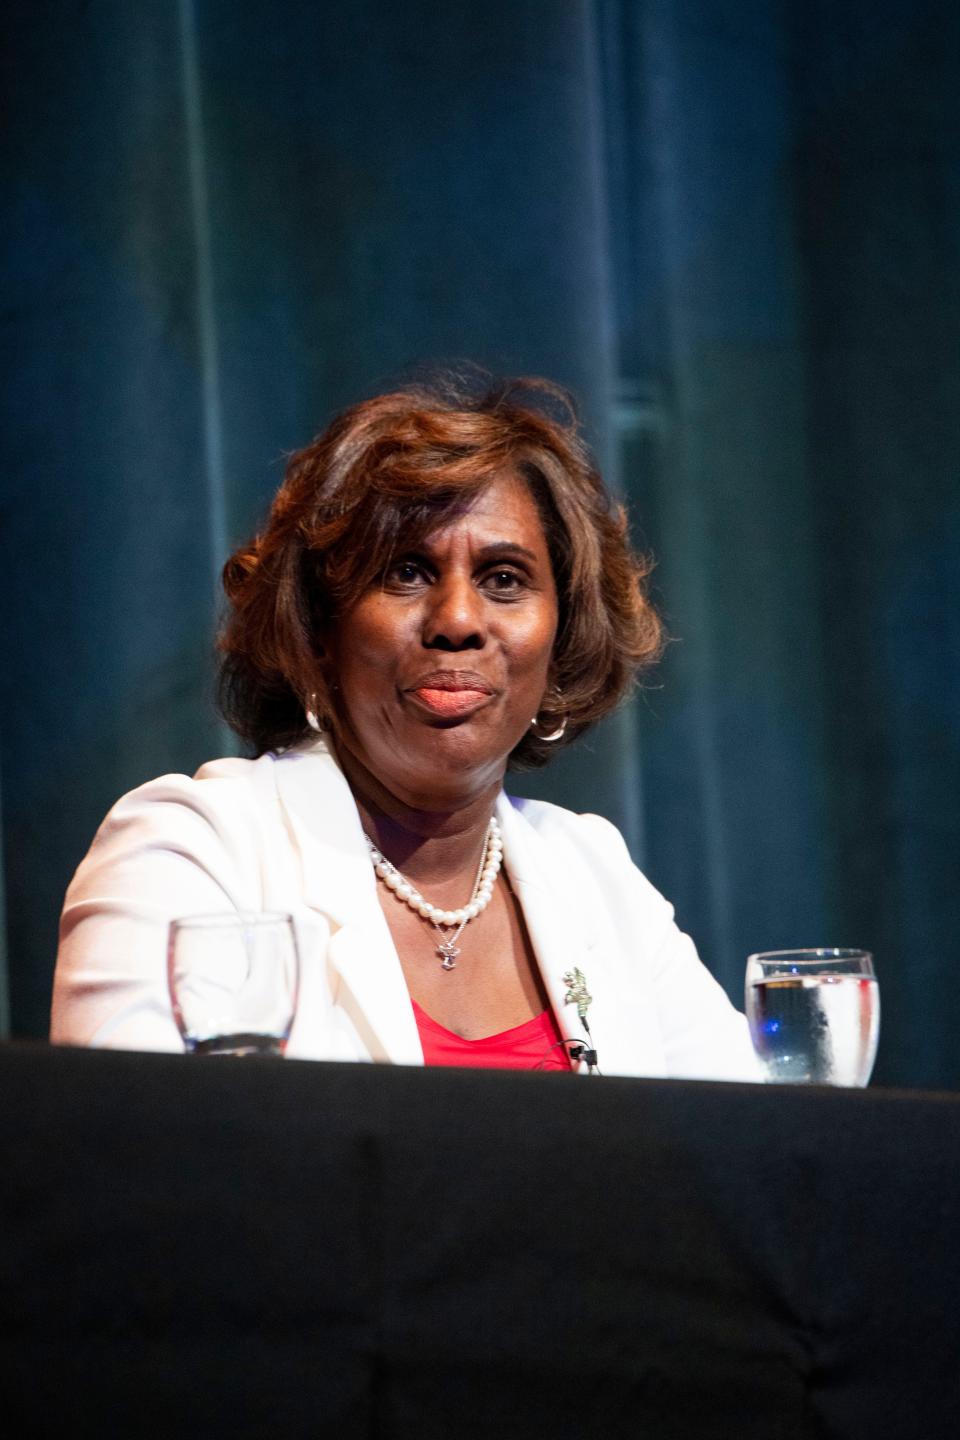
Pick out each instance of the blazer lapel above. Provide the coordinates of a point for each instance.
(338, 882)
(570, 928)
(554, 920)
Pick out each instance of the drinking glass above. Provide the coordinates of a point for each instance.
(814, 1015)
(233, 982)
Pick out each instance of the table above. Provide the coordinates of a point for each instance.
(270, 1248)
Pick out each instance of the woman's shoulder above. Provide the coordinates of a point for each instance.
(158, 837)
(588, 842)
(176, 806)
(231, 796)
(215, 780)
(554, 823)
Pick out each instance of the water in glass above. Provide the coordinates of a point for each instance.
(814, 1015)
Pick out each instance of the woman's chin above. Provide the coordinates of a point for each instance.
(454, 763)
(445, 768)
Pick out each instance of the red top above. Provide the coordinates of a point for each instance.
(530, 1046)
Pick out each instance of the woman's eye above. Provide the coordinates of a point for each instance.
(505, 581)
(405, 572)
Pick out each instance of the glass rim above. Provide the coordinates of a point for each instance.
(813, 954)
(241, 919)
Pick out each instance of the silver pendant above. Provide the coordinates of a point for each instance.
(449, 951)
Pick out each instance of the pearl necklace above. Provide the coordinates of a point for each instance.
(441, 920)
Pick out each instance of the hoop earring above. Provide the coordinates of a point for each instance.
(554, 734)
(311, 717)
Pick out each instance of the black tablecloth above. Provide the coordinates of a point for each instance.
(269, 1248)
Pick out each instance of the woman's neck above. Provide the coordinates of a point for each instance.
(430, 844)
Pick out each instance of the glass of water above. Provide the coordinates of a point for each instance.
(233, 982)
(814, 1015)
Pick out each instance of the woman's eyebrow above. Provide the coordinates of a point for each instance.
(499, 548)
(492, 550)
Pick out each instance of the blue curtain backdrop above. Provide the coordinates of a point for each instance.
(732, 227)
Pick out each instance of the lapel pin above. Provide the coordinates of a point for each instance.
(577, 993)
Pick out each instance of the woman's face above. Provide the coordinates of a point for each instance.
(441, 666)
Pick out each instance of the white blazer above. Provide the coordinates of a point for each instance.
(283, 833)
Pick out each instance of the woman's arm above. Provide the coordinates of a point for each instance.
(171, 848)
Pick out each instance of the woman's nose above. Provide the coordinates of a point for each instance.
(454, 619)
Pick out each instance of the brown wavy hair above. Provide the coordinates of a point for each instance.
(385, 474)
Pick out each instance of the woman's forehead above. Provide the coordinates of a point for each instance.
(502, 512)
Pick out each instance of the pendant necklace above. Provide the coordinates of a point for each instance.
(444, 920)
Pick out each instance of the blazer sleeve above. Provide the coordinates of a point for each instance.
(704, 1036)
(174, 847)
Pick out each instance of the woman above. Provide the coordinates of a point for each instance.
(443, 588)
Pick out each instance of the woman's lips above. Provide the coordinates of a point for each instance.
(450, 703)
